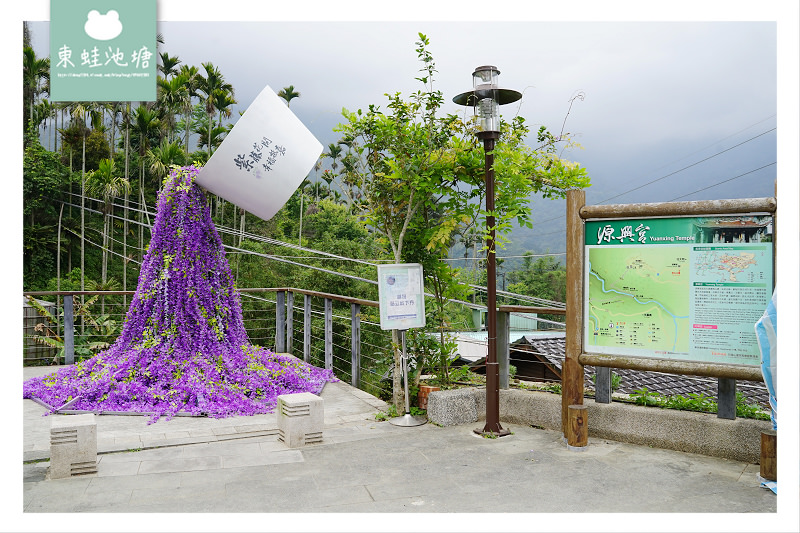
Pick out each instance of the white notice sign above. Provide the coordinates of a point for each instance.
(263, 159)
(402, 296)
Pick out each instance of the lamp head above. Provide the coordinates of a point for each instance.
(486, 97)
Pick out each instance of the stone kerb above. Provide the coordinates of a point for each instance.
(701, 433)
(453, 407)
(300, 419)
(73, 446)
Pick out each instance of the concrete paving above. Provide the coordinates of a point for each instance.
(363, 465)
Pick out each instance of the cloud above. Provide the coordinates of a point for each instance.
(102, 27)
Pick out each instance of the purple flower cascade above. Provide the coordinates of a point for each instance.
(183, 346)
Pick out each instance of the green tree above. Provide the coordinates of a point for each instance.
(104, 183)
(544, 278)
(288, 94)
(417, 178)
(82, 111)
(213, 88)
(161, 158)
(145, 127)
(35, 77)
(191, 80)
(43, 179)
(168, 64)
(173, 96)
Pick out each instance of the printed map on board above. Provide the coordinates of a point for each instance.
(638, 298)
(725, 266)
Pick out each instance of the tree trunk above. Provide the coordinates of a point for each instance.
(125, 222)
(83, 207)
(141, 213)
(398, 394)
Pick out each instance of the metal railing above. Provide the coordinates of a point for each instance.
(330, 331)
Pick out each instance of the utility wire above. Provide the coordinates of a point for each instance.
(684, 168)
(724, 181)
(689, 166)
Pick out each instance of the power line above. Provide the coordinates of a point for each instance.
(689, 166)
(716, 142)
(724, 181)
(684, 168)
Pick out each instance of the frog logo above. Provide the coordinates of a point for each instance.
(102, 27)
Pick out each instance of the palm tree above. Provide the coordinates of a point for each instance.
(126, 119)
(217, 134)
(168, 64)
(41, 112)
(105, 184)
(223, 102)
(334, 151)
(145, 125)
(34, 72)
(288, 94)
(190, 77)
(163, 157)
(114, 111)
(83, 111)
(213, 82)
(173, 96)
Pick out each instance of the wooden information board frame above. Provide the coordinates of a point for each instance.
(575, 356)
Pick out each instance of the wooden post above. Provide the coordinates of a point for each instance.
(726, 398)
(572, 373)
(578, 433)
(602, 384)
(503, 335)
(289, 322)
(280, 322)
(355, 344)
(69, 331)
(769, 455)
(306, 328)
(328, 334)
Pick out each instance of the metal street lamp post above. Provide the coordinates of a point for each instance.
(485, 98)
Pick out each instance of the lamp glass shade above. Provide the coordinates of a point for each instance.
(484, 76)
(488, 114)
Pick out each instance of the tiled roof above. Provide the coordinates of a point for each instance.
(551, 350)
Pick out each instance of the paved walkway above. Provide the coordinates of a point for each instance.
(363, 465)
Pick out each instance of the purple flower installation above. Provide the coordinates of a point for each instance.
(183, 346)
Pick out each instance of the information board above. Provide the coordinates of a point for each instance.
(687, 288)
(401, 296)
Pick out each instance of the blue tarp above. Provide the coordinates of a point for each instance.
(766, 331)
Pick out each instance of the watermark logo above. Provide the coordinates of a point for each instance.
(103, 50)
(103, 27)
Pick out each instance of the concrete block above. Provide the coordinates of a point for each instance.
(300, 419)
(73, 446)
(452, 407)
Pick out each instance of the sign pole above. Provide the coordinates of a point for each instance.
(406, 420)
(402, 306)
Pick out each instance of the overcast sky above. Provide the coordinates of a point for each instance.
(657, 96)
(653, 97)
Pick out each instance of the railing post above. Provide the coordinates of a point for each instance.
(503, 340)
(306, 328)
(69, 331)
(290, 322)
(602, 384)
(726, 398)
(355, 344)
(280, 322)
(572, 371)
(328, 334)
